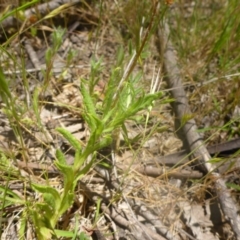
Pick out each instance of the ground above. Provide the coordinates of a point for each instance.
(90, 147)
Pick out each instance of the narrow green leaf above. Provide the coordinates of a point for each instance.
(82, 236)
(99, 126)
(67, 202)
(46, 189)
(46, 233)
(4, 88)
(70, 138)
(111, 90)
(46, 215)
(88, 102)
(48, 56)
(69, 234)
(96, 68)
(109, 114)
(61, 157)
(90, 121)
(68, 174)
(96, 145)
(105, 164)
(9, 197)
(64, 234)
(96, 218)
(91, 141)
(104, 142)
(139, 104)
(120, 56)
(50, 195)
(36, 105)
(85, 170)
(78, 161)
(22, 229)
(10, 201)
(9, 192)
(233, 185)
(215, 160)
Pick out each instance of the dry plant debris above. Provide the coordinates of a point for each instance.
(58, 59)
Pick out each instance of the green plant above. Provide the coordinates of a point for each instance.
(102, 121)
(124, 98)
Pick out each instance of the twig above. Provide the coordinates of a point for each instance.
(154, 220)
(32, 54)
(139, 232)
(135, 228)
(154, 171)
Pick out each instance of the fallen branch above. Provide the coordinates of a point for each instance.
(156, 171)
(187, 130)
